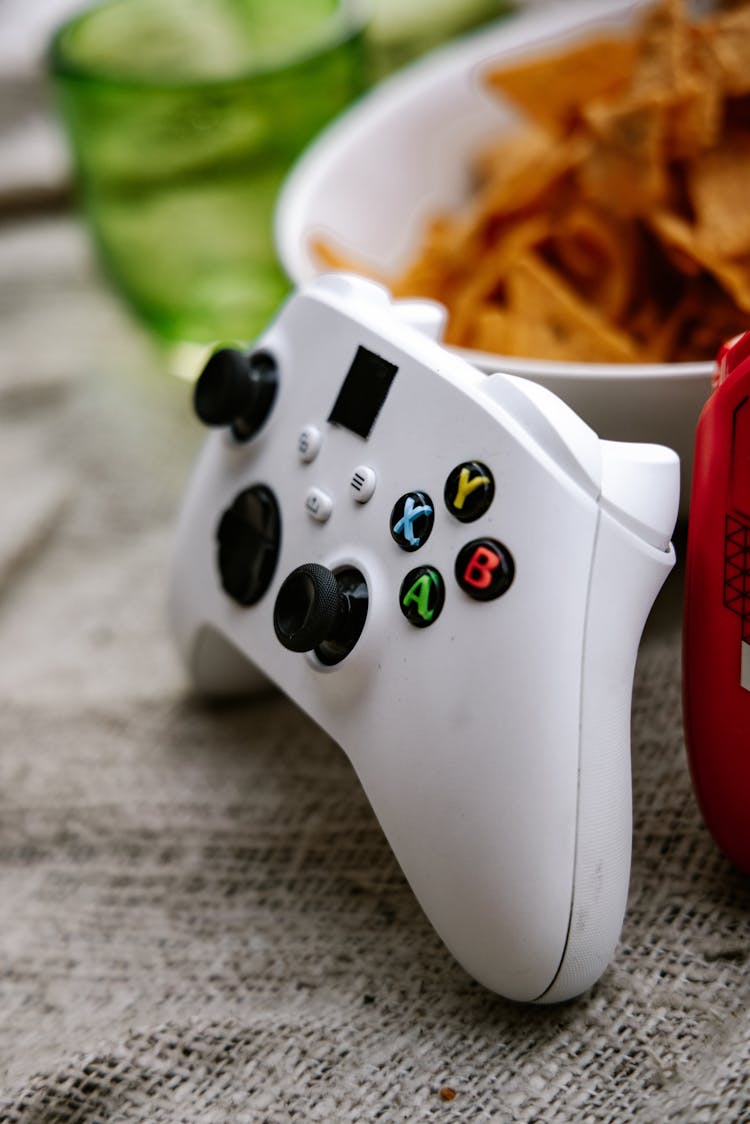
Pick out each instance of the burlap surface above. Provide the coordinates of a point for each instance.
(200, 918)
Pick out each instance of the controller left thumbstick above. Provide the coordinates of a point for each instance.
(237, 389)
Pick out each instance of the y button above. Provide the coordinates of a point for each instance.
(469, 491)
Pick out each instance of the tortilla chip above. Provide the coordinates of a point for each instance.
(718, 183)
(551, 88)
(614, 225)
(662, 52)
(697, 256)
(734, 278)
(551, 322)
(598, 254)
(486, 281)
(727, 37)
(493, 330)
(523, 169)
(714, 320)
(695, 115)
(625, 168)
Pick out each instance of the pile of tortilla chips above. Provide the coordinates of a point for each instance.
(615, 225)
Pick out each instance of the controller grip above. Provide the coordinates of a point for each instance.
(219, 670)
(196, 607)
(627, 575)
(216, 667)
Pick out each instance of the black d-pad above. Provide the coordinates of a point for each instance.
(249, 536)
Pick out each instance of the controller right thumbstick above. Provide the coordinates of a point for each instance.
(307, 607)
(317, 610)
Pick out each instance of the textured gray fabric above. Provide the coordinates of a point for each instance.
(201, 920)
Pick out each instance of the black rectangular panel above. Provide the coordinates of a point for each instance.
(363, 392)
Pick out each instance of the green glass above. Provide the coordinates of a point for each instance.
(184, 117)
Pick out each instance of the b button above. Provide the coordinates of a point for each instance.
(485, 569)
(422, 596)
(469, 491)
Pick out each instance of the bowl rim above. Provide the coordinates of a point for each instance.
(517, 365)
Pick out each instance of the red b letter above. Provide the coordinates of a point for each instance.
(481, 564)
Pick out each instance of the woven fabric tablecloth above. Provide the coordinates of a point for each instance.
(200, 917)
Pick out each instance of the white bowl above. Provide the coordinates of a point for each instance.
(403, 153)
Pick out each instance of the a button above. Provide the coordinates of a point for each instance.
(248, 535)
(319, 504)
(485, 569)
(469, 491)
(411, 520)
(308, 443)
(363, 483)
(422, 596)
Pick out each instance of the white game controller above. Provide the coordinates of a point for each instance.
(450, 573)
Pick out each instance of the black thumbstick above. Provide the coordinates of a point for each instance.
(236, 389)
(306, 607)
(317, 610)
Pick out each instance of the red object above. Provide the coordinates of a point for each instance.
(716, 633)
(479, 570)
